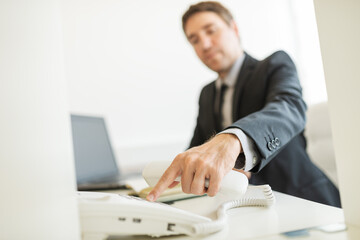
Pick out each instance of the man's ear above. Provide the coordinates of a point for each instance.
(234, 26)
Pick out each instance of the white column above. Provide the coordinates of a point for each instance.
(37, 183)
(339, 31)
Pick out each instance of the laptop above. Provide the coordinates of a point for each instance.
(95, 163)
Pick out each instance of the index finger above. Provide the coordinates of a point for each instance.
(171, 173)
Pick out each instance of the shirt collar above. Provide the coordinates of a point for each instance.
(230, 79)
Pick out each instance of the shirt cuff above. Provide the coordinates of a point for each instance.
(248, 146)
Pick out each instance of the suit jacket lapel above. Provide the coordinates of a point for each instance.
(244, 75)
(211, 109)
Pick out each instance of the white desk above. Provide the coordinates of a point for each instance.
(288, 214)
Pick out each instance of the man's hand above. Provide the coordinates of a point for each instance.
(212, 160)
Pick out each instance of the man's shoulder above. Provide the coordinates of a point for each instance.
(275, 60)
(208, 90)
(210, 86)
(278, 57)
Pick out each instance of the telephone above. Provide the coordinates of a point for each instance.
(106, 214)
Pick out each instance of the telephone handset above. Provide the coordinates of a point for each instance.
(105, 214)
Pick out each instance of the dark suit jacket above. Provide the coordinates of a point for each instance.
(269, 108)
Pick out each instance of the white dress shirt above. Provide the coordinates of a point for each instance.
(248, 147)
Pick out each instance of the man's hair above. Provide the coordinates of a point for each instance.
(209, 6)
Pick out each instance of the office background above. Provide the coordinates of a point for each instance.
(130, 62)
(37, 174)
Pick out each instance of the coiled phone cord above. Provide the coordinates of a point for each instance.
(220, 222)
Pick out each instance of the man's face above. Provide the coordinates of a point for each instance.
(214, 41)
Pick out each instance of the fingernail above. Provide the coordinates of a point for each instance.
(150, 197)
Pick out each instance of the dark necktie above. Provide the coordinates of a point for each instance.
(219, 107)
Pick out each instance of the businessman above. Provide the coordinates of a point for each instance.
(256, 107)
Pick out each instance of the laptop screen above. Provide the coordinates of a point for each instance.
(93, 154)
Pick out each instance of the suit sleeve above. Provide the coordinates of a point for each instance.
(283, 115)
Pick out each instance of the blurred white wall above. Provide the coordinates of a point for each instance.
(339, 32)
(37, 177)
(128, 60)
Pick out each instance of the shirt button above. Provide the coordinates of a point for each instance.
(269, 146)
(254, 160)
(273, 144)
(277, 142)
